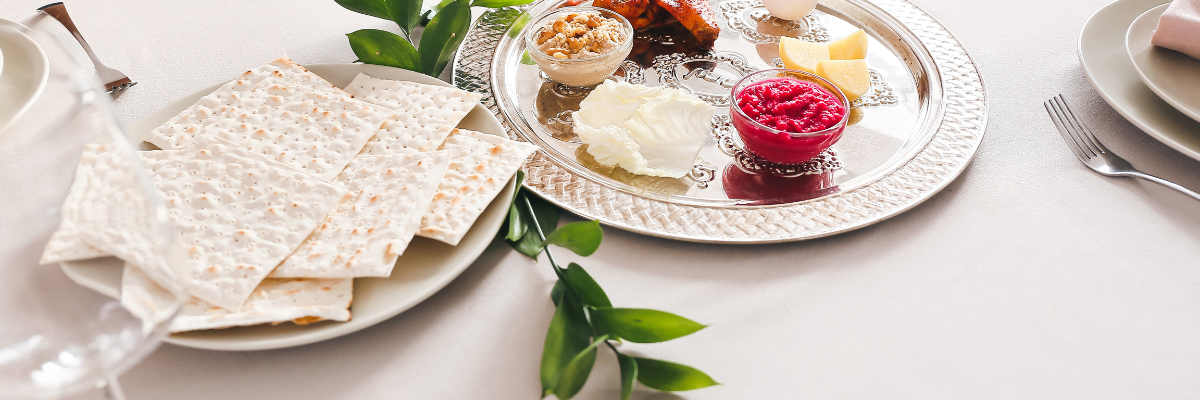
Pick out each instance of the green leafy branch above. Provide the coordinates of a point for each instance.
(585, 318)
(443, 33)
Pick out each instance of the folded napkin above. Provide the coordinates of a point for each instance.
(1179, 28)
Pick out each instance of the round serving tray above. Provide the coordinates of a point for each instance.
(914, 132)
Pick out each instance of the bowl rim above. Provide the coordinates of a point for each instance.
(536, 25)
(741, 83)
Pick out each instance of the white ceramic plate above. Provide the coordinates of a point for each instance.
(24, 73)
(426, 266)
(1172, 75)
(1107, 64)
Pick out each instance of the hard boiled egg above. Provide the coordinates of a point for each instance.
(790, 9)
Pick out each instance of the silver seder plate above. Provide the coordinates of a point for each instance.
(913, 133)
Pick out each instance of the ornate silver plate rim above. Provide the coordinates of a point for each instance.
(922, 173)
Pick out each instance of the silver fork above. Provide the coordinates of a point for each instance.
(114, 80)
(1093, 154)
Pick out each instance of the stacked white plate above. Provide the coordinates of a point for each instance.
(1174, 76)
(23, 71)
(1154, 88)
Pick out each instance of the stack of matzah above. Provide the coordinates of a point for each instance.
(283, 188)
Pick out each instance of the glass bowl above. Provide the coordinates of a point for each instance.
(578, 72)
(779, 146)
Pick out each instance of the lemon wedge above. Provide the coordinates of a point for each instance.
(850, 47)
(801, 55)
(851, 76)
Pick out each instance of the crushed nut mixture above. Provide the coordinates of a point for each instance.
(580, 35)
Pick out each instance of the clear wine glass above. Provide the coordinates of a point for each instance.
(57, 337)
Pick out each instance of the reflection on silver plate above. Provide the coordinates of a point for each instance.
(913, 133)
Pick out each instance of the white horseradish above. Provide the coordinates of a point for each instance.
(653, 131)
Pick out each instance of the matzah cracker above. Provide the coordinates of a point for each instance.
(146, 299)
(478, 171)
(364, 236)
(493, 139)
(66, 243)
(405, 131)
(274, 301)
(313, 131)
(283, 69)
(238, 214)
(442, 103)
(109, 211)
(424, 114)
(114, 213)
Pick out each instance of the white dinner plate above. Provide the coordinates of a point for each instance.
(24, 71)
(1172, 75)
(426, 266)
(1108, 66)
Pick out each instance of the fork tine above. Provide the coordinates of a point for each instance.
(1098, 144)
(117, 86)
(1062, 131)
(1077, 130)
(1066, 132)
(1066, 129)
(1086, 132)
(1063, 114)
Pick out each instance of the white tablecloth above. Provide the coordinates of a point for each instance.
(1029, 277)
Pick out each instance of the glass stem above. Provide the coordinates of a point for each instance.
(112, 389)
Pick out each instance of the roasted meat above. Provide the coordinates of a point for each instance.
(633, 10)
(695, 15)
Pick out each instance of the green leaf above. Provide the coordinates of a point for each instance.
(588, 290)
(671, 377)
(576, 373)
(499, 3)
(547, 216)
(516, 222)
(526, 59)
(546, 213)
(556, 293)
(642, 325)
(529, 245)
(442, 5)
(374, 8)
(425, 18)
(583, 238)
(374, 46)
(518, 25)
(442, 37)
(567, 336)
(406, 13)
(629, 373)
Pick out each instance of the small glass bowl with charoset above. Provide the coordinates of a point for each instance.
(788, 116)
(579, 46)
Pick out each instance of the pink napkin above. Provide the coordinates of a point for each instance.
(1179, 28)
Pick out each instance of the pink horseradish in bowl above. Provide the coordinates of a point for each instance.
(787, 116)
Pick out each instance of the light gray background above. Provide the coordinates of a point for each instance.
(1029, 277)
